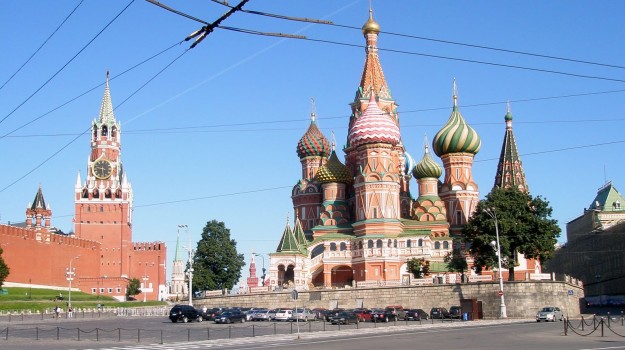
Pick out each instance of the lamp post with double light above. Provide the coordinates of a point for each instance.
(495, 244)
(70, 272)
(263, 275)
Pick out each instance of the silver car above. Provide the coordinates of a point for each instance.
(304, 315)
(549, 313)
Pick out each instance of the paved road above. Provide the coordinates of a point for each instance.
(144, 333)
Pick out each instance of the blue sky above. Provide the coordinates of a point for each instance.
(214, 135)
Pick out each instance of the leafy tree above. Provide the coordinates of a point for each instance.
(133, 288)
(456, 261)
(216, 264)
(419, 267)
(4, 269)
(524, 226)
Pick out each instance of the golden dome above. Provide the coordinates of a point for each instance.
(371, 26)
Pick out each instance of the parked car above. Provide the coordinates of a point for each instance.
(184, 313)
(332, 313)
(284, 315)
(417, 315)
(304, 315)
(345, 317)
(394, 313)
(364, 315)
(439, 312)
(379, 315)
(264, 315)
(455, 312)
(249, 316)
(230, 316)
(320, 312)
(549, 313)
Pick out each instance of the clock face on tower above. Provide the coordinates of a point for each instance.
(102, 169)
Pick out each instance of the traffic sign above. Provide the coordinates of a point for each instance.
(500, 293)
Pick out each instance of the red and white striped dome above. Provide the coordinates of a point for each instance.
(374, 126)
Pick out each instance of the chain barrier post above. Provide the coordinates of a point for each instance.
(78, 331)
(188, 334)
(57, 333)
(161, 336)
(119, 334)
(97, 334)
(253, 331)
(609, 319)
(566, 326)
(229, 332)
(7, 335)
(208, 333)
(274, 328)
(36, 333)
(138, 335)
(602, 326)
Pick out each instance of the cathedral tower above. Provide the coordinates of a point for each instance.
(510, 168)
(457, 144)
(103, 203)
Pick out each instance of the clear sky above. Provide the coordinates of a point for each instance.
(214, 135)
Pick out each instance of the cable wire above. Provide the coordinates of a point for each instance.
(42, 45)
(67, 63)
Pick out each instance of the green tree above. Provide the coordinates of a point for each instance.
(419, 267)
(4, 269)
(524, 225)
(216, 264)
(456, 261)
(133, 288)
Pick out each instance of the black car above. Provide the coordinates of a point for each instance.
(455, 312)
(230, 316)
(439, 312)
(417, 315)
(345, 317)
(379, 315)
(184, 313)
(394, 313)
(331, 313)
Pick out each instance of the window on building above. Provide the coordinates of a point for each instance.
(378, 243)
(445, 245)
(359, 244)
(110, 290)
(332, 246)
(389, 244)
(101, 290)
(394, 243)
(343, 246)
(94, 290)
(437, 245)
(370, 243)
(420, 242)
(458, 217)
(408, 243)
(118, 290)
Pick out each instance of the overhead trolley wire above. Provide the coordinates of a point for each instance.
(42, 45)
(67, 63)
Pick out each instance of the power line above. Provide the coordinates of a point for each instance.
(89, 90)
(42, 45)
(67, 63)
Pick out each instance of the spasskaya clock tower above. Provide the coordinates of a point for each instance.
(103, 202)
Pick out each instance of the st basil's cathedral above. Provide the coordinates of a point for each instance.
(356, 223)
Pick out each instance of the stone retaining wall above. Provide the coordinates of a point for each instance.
(523, 299)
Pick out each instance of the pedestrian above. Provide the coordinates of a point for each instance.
(70, 312)
(57, 310)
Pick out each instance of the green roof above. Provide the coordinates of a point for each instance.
(608, 199)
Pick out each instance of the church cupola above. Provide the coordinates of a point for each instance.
(374, 126)
(313, 148)
(456, 136)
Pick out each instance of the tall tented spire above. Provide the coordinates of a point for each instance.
(176, 254)
(106, 109)
(288, 243)
(39, 202)
(510, 168)
(372, 76)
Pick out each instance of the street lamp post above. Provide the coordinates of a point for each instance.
(69, 273)
(263, 276)
(502, 306)
(189, 266)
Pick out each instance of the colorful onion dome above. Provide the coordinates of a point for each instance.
(427, 167)
(313, 143)
(371, 26)
(456, 136)
(374, 126)
(409, 163)
(334, 171)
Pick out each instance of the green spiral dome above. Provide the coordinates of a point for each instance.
(456, 137)
(427, 167)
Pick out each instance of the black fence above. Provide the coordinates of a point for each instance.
(596, 326)
(195, 333)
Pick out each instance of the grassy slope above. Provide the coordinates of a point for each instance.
(20, 298)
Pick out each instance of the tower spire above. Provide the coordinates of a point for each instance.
(455, 95)
(106, 109)
(313, 117)
(510, 168)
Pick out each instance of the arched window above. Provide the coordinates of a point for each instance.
(360, 245)
(378, 243)
(445, 245)
(395, 243)
(332, 246)
(343, 246)
(370, 243)
(437, 245)
(389, 244)
(420, 242)
(408, 243)
(105, 130)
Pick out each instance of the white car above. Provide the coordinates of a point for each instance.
(549, 313)
(284, 315)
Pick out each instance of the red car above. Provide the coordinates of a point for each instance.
(364, 315)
